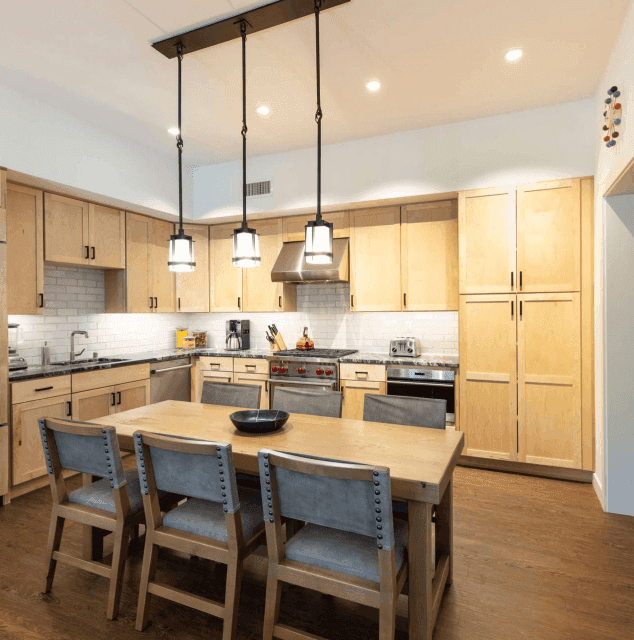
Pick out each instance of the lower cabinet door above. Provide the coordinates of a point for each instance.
(93, 404)
(132, 395)
(354, 396)
(255, 379)
(488, 387)
(28, 454)
(549, 379)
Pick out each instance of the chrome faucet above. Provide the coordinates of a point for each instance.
(73, 355)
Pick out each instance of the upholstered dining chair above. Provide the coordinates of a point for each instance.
(351, 546)
(416, 412)
(113, 503)
(226, 394)
(216, 522)
(308, 401)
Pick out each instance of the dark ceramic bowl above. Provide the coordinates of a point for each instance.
(259, 421)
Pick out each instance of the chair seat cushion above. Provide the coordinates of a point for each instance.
(98, 495)
(349, 553)
(207, 518)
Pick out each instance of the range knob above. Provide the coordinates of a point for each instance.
(273, 369)
(301, 370)
(393, 349)
(328, 372)
(282, 369)
(410, 350)
(319, 371)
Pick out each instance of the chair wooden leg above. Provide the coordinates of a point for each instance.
(150, 556)
(272, 604)
(119, 556)
(387, 620)
(232, 600)
(54, 541)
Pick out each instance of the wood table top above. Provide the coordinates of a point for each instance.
(421, 461)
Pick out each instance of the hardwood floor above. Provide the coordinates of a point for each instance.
(535, 559)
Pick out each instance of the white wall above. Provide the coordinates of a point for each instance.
(610, 163)
(540, 144)
(41, 140)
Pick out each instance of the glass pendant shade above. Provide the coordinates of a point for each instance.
(181, 254)
(246, 248)
(318, 243)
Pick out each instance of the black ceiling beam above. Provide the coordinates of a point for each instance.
(259, 19)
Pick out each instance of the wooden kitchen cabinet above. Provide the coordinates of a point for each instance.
(66, 231)
(255, 379)
(225, 280)
(487, 223)
(294, 227)
(106, 237)
(488, 387)
(260, 294)
(28, 455)
(549, 379)
(132, 395)
(25, 250)
(429, 256)
(375, 259)
(163, 280)
(354, 392)
(192, 289)
(93, 404)
(549, 236)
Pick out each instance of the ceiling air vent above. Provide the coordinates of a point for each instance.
(258, 188)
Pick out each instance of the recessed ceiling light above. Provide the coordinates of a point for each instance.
(263, 110)
(373, 86)
(514, 55)
(173, 131)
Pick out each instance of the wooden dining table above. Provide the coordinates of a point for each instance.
(421, 463)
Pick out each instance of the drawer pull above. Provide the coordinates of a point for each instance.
(69, 408)
(214, 365)
(87, 252)
(41, 300)
(151, 302)
(361, 373)
(114, 402)
(119, 397)
(93, 253)
(45, 388)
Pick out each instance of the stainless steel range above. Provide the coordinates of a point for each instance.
(315, 368)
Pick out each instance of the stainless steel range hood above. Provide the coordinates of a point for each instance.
(290, 265)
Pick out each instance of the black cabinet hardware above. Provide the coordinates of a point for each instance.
(45, 388)
(352, 300)
(113, 400)
(155, 302)
(119, 397)
(520, 279)
(512, 308)
(239, 307)
(404, 299)
(179, 304)
(280, 302)
(93, 253)
(41, 300)
(151, 302)
(87, 252)
(69, 409)
(520, 310)
(511, 279)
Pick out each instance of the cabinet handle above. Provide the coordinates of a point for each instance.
(41, 300)
(151, 302)
(512, 308)
(119, 397)
(69, 408)
(87, 252)
(266, 386)
(93, 253)
(179, 304)
(280, 302)
(45, 388)
(520, 280)
(239, 307)
(155, 302)
(520, 309)
(511, 279)
(114, 402)
(352, 300)
(404, 299)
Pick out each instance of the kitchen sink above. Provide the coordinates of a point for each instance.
(66, 363)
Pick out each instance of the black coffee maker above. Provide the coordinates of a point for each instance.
(238, 335)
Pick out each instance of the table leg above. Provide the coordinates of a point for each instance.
(93, 537)
(444, 529)
(419, 553)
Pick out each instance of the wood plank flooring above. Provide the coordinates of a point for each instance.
(535, 559)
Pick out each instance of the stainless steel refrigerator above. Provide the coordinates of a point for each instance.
(4, 349)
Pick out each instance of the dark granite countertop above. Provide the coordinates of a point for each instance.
(425, 360)
(36, 371)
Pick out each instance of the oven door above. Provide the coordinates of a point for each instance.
(436, 390)
(274, 383)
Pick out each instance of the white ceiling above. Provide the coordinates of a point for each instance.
(439, 62)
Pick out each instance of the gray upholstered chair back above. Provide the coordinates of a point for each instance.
(192, 468)
(308, 401)
(331, 493)
(245, 396)
(415, 412)
(83, 447)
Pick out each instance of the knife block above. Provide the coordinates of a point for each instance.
(279, 344)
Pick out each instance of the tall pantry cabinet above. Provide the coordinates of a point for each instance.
(525, 303)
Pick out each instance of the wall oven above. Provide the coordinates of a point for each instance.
(421, 382)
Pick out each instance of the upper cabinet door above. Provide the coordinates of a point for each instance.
(429, 256)
(107, 237)
(549, 236)
(25, 250)
(163, 281)
(375, 259)
(295, 227)
(66, 230)
(487, 241)
(225, 280)
(192, 289)
(3, 205)
(137, 282)
(260, 293)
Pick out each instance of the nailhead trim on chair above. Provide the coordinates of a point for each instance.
(49, 465)
(142, 471)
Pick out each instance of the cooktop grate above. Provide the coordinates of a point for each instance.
(315, 353)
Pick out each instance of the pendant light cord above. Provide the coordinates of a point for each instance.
(243, 33)
(318, 114)
(179, 144)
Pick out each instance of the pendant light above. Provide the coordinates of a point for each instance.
(246, 245)
(181, 248)
(318, 242)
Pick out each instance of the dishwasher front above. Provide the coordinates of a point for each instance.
(171, 380)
